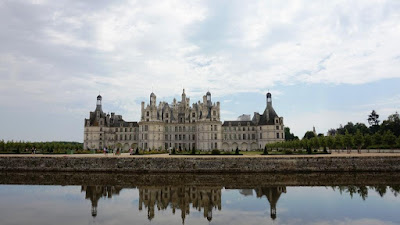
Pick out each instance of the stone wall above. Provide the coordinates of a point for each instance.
(202, 164)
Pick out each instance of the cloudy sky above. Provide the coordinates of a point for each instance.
(325, 62)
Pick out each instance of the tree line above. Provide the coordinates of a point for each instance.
(385, 135)
(43, 147)
(347, 141)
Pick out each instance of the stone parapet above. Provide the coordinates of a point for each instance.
(195, 164)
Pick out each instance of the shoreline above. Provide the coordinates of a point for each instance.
(163, 163)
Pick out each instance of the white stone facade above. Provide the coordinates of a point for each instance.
(182, 126)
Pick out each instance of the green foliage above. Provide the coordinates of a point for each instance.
(288, 152)
(358, 139)
(389, 138)
(348, 140)
(377, 139)
(373, 118)
(309, 135)
(289, 136)
(215, 152)
(265, 151)
(42, 147)
(367, 140)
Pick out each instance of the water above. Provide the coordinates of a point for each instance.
(83, 198)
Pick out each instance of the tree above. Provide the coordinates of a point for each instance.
(193, 151)
(330, 142)
(358, 140)
(377, 140)
(373, 118)
(309, 135)
(389, 139)
(339, 141)
(350, 128)
(367, 141)
(237, 151)
(391, 124)
(348, 141)
(315, 143)
(289, 136)
(265, 151)
(332, 132)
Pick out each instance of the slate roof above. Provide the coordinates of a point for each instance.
(237, 122)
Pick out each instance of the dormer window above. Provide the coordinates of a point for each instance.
(147, 113)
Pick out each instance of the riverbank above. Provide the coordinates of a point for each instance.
(163, 163)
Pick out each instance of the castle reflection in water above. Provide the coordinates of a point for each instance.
(205, 199)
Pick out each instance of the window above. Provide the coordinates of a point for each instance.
(166, 137)
(277, 135)
(277, 127)
(214, 113)
(215, 136)
(146, 128)
(193, 114)
(166, 115)
(244, 128)
(225, 137)
(244, 136)
(194, 137)
(147, 113)
(253, 136)
(260, 135)
(216, 146)
(183, 137)
(215, 127)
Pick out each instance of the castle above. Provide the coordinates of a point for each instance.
(182, 126)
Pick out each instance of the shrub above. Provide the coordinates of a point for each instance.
(173, 151)
(215, 152)
(193, 151)
(288, 152)
(237, 151)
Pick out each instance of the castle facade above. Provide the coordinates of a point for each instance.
(182, 126)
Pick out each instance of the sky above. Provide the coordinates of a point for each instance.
(325, 62)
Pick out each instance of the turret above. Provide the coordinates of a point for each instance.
(98, 104)
(269, 99)
(152, 99)
(208, 95)
(183, 96)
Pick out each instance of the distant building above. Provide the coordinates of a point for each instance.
(182, 126)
